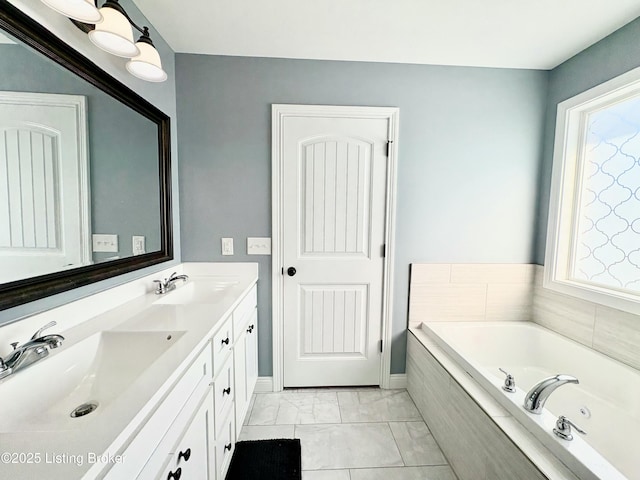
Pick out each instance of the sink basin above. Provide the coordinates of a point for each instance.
(197, 292)
(94, 371)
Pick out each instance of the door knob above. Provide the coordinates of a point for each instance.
(291, 271)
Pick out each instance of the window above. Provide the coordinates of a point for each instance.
(593, 242)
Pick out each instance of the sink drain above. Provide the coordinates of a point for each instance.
(84, 409)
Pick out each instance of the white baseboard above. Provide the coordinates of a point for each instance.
(264, 385)
(398, 380)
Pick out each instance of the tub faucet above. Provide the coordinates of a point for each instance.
(169, 284)
(30, 352)
(536, 397)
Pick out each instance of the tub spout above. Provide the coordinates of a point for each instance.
(536, 397)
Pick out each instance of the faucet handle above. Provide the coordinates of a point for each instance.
(563, 428)
(5, 370)
(509, 382)
(14, 345)
(39, 332)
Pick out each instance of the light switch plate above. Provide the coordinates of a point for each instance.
(104, 242)
(138, 244)
(227, 246)
(258, 246)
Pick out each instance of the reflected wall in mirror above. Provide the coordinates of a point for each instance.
(84, 169)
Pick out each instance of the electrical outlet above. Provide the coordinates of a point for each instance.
(258, 246)
(227, 246)
(104, 242)
(138, 244)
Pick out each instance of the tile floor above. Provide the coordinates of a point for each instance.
(350, 433)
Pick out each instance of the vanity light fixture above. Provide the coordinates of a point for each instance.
(147, 64)
(81, 10)
(113, 33)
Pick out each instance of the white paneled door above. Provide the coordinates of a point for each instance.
(44, 195)
(333, 180)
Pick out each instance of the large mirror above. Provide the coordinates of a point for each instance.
(84, 169)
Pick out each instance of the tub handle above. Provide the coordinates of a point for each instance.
(563, 428)
(509, 382)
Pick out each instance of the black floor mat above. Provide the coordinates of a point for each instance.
(266, 460)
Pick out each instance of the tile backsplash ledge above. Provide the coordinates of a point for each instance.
(609, 331)
(514, 292)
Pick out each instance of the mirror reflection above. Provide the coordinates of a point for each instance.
(79, 171)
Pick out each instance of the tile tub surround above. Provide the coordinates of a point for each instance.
(111, 430)
(473, 430)
(505, 292)
(390, 439)
(470, 292)
(607, 330)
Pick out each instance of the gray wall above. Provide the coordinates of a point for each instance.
(612, 56)
(162, 95)
(469, 156)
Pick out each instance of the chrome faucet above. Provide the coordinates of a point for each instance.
(563, 428)
(536, 397)
(169, 284)
(30, 352)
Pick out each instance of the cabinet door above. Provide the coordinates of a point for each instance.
(240, 380)
(190, 459)
(251, 355)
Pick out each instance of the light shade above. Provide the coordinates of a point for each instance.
(81, 10)
(114, 34)
(147, 65)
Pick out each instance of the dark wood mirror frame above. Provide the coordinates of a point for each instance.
(31, 33)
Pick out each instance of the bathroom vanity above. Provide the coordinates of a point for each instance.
(171, 375)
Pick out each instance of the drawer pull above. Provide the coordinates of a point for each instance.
(226, 390)
(175, 475)
(226, 341)
(227, 447)
(186, 455)
(250, 329)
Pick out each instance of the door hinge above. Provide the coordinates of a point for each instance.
(383, 249)
(389, 142)
(380, 345)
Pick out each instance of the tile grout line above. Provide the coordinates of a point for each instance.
(395, 441)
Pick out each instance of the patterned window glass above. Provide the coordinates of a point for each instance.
(607, 238)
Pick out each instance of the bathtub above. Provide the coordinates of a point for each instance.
(606, 403)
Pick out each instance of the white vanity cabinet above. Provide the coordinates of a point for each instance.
(157, 444)
(193, 431)
(245, 355)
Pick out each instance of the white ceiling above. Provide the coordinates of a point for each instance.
(536, 34)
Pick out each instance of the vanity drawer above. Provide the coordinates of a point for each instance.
(223, 394)
(225, 445)
(221, 344)
(243, 311)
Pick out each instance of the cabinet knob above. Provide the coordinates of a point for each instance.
(250, 329)
(186, 455)
(226, 341)
(175, 475)
(226, 390)
(227, 447)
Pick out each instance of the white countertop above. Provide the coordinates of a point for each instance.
(70, 454)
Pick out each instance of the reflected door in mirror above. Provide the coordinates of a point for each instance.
(44, 198)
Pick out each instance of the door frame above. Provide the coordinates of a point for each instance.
(279, 112)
